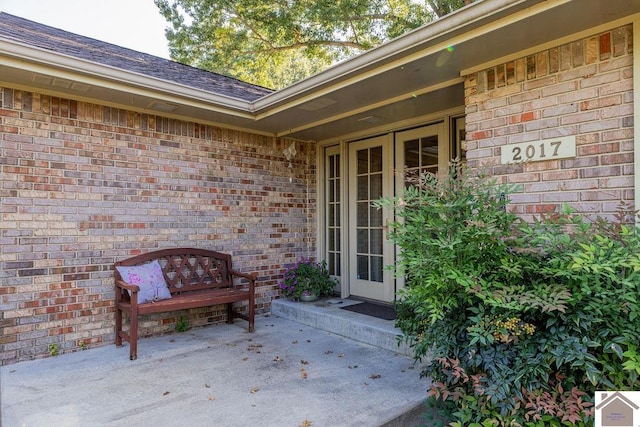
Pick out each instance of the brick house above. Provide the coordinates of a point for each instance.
(107, 152)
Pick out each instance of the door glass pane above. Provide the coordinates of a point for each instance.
(363, 241)
(421, 155)
(376, 159)
(376, 241)
(411, 154)
(363, 187)
(376, 268)
(363, 267)
(429, 151)
(362, 219)
(375, 191)
(332, 167)
(333, 212)
(363, 161)
(375, 217)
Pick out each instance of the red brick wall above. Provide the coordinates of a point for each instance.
(84, 185)
(583, 88)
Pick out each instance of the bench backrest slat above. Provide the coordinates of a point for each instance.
(187, 269)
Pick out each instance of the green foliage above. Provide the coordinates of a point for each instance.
(518, 323)
(53, 349)
(182, 325)
(276, 43)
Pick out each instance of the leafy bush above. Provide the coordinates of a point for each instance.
(518, 323)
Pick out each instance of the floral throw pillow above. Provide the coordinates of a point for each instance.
(149, 278)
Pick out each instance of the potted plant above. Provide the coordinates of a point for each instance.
(306, 280)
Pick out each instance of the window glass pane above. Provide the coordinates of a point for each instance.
(363, 267)
(363, 241)
(376, 268)
(332, 191)
(337, 191)
(363, 161)
(376, 159)
(411, 154)
(338, 271)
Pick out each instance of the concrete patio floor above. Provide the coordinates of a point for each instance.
(284, 374)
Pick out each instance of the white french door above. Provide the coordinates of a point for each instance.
(369, 173)
(370, 178)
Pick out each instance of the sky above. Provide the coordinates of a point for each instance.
(135, 24)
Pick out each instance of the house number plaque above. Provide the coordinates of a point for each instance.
(538, 151)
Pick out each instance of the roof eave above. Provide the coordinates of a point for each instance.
(41, 60)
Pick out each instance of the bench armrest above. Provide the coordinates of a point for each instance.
(131, 288)
(250, 277)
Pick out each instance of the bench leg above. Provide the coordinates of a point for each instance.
(133, 337)
(252, 312)
(230, 313)
(118, 327)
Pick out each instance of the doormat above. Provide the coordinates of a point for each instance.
(380, 311)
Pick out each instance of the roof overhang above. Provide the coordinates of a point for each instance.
(413, 76)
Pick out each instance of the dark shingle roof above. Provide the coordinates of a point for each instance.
(63, 42)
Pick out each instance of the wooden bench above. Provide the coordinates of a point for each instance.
(194, 278)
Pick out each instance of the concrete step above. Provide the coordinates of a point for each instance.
(326, 314)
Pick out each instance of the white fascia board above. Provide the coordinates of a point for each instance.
(39, 60)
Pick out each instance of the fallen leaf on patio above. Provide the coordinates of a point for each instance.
(308, 340)
(341, 355)
(303, 375)
(255, 390)
(306, 423)
(245, 359)
(304, 362)
(254, 347)
(294, 342)
(172, 340)
(353, 367)
(212, 398)
(278, 359)
(328, 352)
(207, 385)
(165, 393)
(374, 376)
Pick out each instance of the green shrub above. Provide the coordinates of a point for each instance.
(518, 323)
